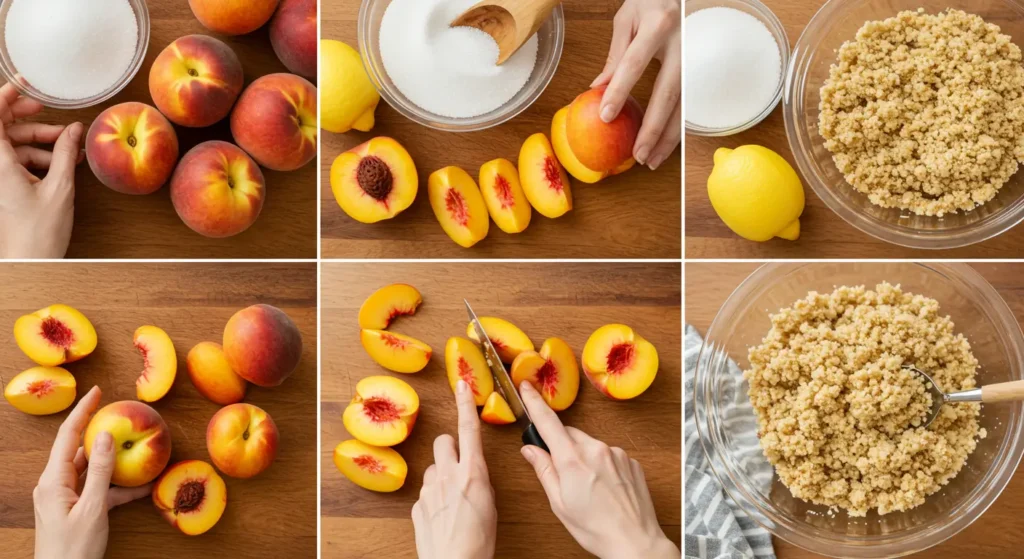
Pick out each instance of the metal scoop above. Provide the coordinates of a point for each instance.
(1001, 392)
(510, 22)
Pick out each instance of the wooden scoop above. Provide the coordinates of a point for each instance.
(510, 22)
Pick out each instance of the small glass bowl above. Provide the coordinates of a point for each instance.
(10, 73)
(771, 21)
(551, 36)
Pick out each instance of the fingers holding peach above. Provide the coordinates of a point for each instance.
(242, 440)
(191, 496)
(602, 146)
(55, 335)
(142, 442)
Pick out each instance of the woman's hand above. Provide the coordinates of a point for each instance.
(646, 30)
(36, 215)
(599, 493)
(72, 524)
(455, 516)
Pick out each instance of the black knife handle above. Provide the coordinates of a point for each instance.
(531, 436)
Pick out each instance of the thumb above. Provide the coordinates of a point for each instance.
(546, 474)
(65, 154)
(101, 469)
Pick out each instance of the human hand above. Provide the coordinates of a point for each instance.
(36, 216)
(69, 524)
(455, 516)
(646, 30)
(598, 492)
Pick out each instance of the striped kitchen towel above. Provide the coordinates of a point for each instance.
(716, 528)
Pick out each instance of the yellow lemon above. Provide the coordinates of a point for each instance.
(348, 97)
(756, 193)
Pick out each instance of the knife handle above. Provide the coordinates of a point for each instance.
(531, 436)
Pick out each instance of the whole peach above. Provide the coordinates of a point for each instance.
(262, 345)
(275, 121)
(242, 440)
(196, 80)
(233, 17)
(602, 146)
(293, 36)
(217, 189)
(132, 148)
(142, 442)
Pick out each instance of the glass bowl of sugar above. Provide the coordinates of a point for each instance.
(446, 78)
(71, 54)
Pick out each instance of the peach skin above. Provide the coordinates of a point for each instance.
(465, 361)
(496, 411)
(458, 205)
(569, 161)
(41, 390)
(55, 335)
(509, 341)
(544, 181)
(375, 468)
(262, 345)
(132, 148)
(275, 122)
(619, 362)
(242, 440)
(382, 412)
(552, 371)
(212, 375)
(386, 304)
(191, 496)
(293, 34)
(217, 190)
(233, 17)
(504, 196)
(142, 442)
(375, 180)
(598, 145)
(160, 363)
(395, 352)
(196, 80)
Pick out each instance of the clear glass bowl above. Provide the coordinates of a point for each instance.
(835, 23)
(551, 36)
(10, 73)
(978, 312)
(765, 16)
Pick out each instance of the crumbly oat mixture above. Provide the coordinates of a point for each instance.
(840, 420)
(926, 112)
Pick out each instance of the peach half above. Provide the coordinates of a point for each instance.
(160, 363)
(395, 352)
(375, 180)
(262, 345)
(552, 371)
(41, 390)
(496, 411)
(212, 374)
(377, 468)
(55, 335)
(196, 80)
(132, 148)
(382, 412)
(544, 181)
(458, 205)
(598, 145)
(569, 161)
(386, 304)
(464, 360)
(509, 341)
(217, 189)
(275, 122)
(242, 440)
(504, 196)
(142, 442)
(191, 496)
(619, 362)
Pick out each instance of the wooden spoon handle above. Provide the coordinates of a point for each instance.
(1003, 392)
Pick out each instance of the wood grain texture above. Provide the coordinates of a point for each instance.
(113, 225)
(271, 515)
(634, 215)
(998, 533)
(545, 300)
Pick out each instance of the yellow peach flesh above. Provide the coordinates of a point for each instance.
(382, 412)
(552, 371)
(464, 360)
(55, 335)
(41, 390)
(160, 363)
(504, 196)
(619, 362)
(388, 303)
(458, 205)
(191, 496)
(508, 339)
(370, 467)
(395, 352)
(496, 411)
(544, 181)
(389, 172)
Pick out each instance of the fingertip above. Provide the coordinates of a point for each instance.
(104, 442)
(608, 112)
(528, 453)
(75, 131)
(461, 387)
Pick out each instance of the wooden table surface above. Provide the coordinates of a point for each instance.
(113, 225)
(569, 301)
(823, 233)
(634, 215)
(272, 515)
(998, 534)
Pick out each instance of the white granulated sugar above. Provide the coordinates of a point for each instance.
(71, 49)
(733, 67)
(449, 71)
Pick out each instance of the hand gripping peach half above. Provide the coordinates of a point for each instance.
(458, 205)
(233, 17)
(242, 440)
(552, 371)
(293, 34)
(191, 496)
(212, 375)
(465, 361)
(160, 363)
(618, 362)
(55, 335)
(598, 145)
(274, 121)
(382, 412)
(395, 352)
(560, 142)
(196, 80)
(132, 148)
(509, 341)
(375, 468)
(544, 181)
(375, 180)
(41, 390)
(504, 196)
(142, 442)
(262, 345)
(386, 304)
(496, 411)
(217, 190)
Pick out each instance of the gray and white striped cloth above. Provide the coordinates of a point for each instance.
(716, 528)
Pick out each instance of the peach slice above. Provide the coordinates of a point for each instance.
(602, 146)
(458, 205)
(496, 411)
(191, 496)
(160, 363)
(464, 360)
(618, 362)
(242, 440)
(395, 352)
(382, 412)
(552, 371)
(55, 335)
(142, 441)
(509, 341)
(544, 181)
(213, 376)
(41, 390)
(371, 467)
(375, 180)
(504, 196)
(386, 304)
(569, 161)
